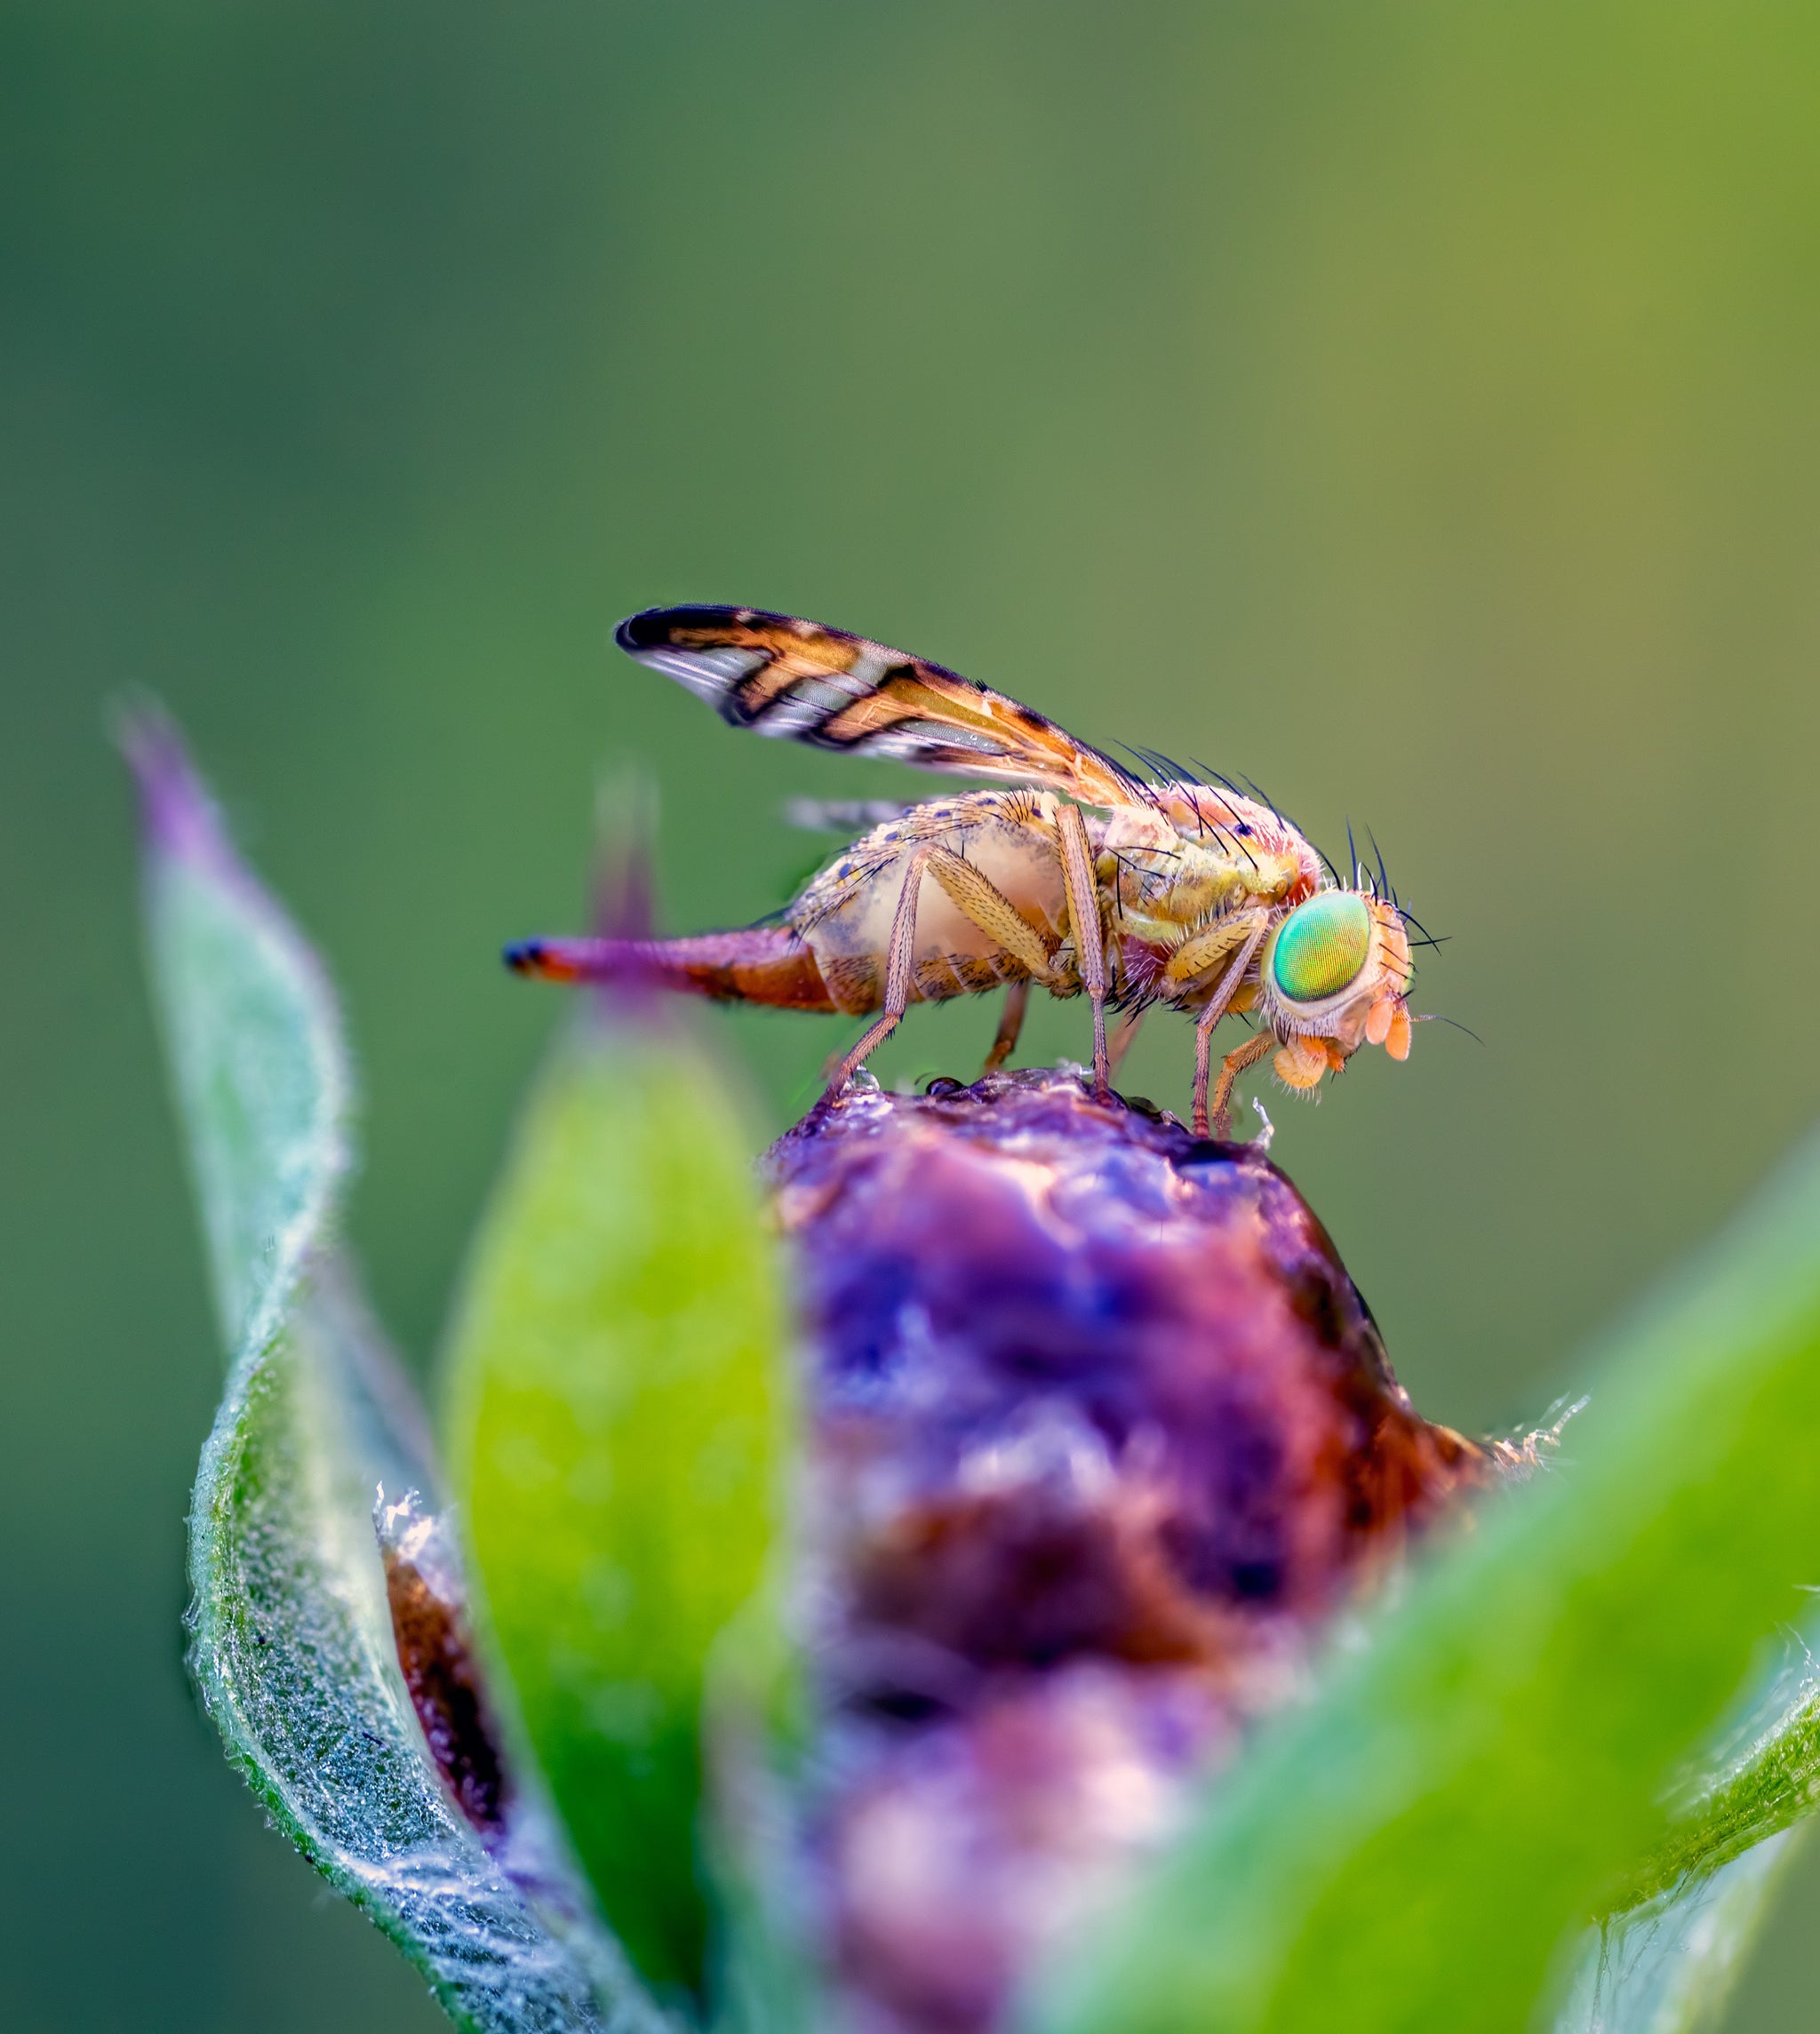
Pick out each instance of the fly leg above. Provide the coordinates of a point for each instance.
(983, 902)
(1215, 1010)
(990, 909)
(1016, 1001)
(993, 912)
(898, 960)
(1090, 945)
(1246, 1054)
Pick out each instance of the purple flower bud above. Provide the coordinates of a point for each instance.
(1101, 1433)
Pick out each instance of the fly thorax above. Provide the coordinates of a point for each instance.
(1176, 866)
(1163, 893)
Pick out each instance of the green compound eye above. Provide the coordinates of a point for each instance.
(1322, 946)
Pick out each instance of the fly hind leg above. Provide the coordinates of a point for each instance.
(988, 907)
(981, 900)
(1090, 943)
(1010, 1024)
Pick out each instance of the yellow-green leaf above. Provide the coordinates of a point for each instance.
(617, 1428)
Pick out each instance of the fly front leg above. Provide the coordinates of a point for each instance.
(1090, 943)
(1247, 939)
(898, 978)
(1246, 1054)
(1005, 1044)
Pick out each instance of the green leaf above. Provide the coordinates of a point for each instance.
(254, 1041)
(291, 1642)
(618, 1429)
(1664, 1959)
(1764, 1781)
(1668, 1965)
(1471, 1783)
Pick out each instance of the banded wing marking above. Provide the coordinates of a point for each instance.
(797, 680)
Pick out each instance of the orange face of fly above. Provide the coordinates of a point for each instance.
(1334, 976)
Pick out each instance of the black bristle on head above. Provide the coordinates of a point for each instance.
(1209, 778)
(1262, 798)
(1382, 875)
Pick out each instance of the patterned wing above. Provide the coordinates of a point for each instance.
(798, 681)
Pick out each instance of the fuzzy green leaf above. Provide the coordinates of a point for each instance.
(1424, 1840)
(1665, 1957)
(292, 1640)
(254, 1041)
(1764, 1779)
(1668, 1965)
(617, 1435)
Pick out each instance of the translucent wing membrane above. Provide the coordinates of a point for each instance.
(841, 815)
(800, 681)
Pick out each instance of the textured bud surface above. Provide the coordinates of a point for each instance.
(1101, 1431)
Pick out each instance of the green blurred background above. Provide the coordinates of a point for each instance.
(1414, 407)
